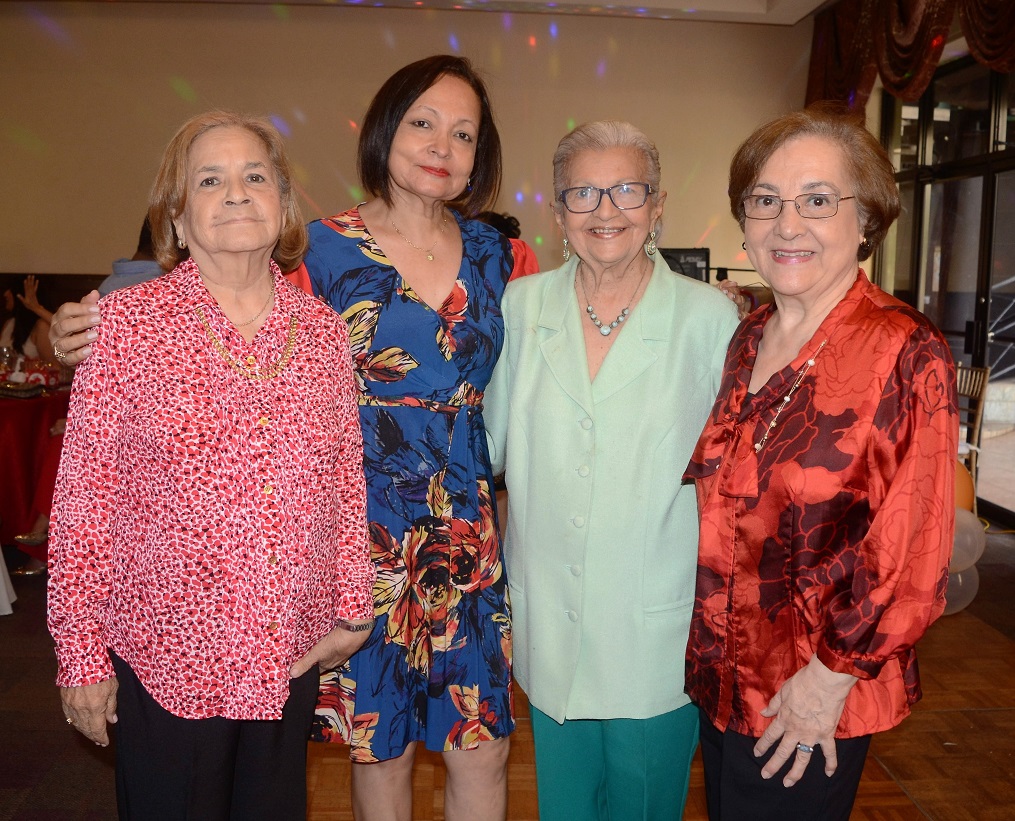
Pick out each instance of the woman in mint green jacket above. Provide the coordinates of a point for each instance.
(595, 412)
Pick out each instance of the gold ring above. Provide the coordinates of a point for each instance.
(61, 355)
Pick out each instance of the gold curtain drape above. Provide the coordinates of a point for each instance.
(901, 40)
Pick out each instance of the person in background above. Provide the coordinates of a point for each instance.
(525, 258)
(26, 326)
(610, 365)
(139, 268)
(208, 545)
(824, 478)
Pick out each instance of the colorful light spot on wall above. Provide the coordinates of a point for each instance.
(538, 198)
(25, 139)
(532, 41)
(356, 193)
(281, 125)
(571, 123)
(601, 68)
(453, 43)
(299, 115)
(280, 11)
(519, 197)
(539, 239)
(183, 89)
(505, 21)
(352, 125)
(56, 32)
(553, 31)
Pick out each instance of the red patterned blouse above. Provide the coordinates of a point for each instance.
(835, 536)
(208, 527)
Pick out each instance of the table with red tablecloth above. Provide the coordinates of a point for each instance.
(26, 456)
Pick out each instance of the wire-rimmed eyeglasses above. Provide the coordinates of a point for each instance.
(625, 196)
(816, 206)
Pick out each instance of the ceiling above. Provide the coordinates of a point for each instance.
(765, 12)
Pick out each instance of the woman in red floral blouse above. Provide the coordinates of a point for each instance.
(824, 479)
(209, 541)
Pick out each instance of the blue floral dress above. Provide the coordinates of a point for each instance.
(437, 665)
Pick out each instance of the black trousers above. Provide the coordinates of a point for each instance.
(211, 769)
(735, 790)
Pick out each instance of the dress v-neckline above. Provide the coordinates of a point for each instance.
(406, 286)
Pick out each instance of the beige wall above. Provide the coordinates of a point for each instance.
(91, 92)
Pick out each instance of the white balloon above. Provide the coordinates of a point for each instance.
(970, 541)
(962, 589)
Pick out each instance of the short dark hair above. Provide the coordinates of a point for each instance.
(385, 114)
(169, 192)
(871, 172)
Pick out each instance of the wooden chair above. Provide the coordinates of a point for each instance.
(972, 388)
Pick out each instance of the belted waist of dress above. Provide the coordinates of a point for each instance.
(473, 401)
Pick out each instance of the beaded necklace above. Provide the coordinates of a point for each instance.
(789, 395)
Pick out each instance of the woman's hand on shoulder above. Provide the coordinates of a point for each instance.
(807, 709)
(72, 329)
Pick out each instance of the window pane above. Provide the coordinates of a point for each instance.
(950, 255)
(897, 252)
(961, 126)
(905, 134)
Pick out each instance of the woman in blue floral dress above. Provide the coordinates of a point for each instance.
(420, 289)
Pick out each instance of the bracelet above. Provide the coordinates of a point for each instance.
(354, 628)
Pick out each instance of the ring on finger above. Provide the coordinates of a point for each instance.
(804, 748)
(61, 355)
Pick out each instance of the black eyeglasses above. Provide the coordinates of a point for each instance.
(808, 206)
(626, 196)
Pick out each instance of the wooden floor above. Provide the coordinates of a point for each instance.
(952, 760)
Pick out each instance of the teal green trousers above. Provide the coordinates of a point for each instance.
(620, 769)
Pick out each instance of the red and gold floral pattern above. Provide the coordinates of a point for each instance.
(835, 537)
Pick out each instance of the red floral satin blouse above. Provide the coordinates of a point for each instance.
(834, 538)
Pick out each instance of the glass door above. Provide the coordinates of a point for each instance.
(997, 453)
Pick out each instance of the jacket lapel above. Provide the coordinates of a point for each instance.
(563, 346)
(631, 354)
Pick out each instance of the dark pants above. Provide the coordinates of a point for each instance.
(735, 790)
(210, 769)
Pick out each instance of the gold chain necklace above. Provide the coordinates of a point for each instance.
(427, 251)
(785, 400)
(249, 369)
(267, 302)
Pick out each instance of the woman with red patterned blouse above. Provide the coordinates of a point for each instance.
(209, 541)
(824, 480)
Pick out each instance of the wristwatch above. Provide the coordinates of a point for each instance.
(352, 627)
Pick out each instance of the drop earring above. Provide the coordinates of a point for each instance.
(181, 244)
(650, 246)
(567, 251)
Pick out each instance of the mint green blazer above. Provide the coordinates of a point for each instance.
(602, 538)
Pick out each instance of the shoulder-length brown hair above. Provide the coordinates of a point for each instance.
(168, 197)
(385, 114)
(867, 164)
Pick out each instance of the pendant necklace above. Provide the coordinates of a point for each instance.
(427, 251)
(267, 302)
(606, 330)
(789, 395)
